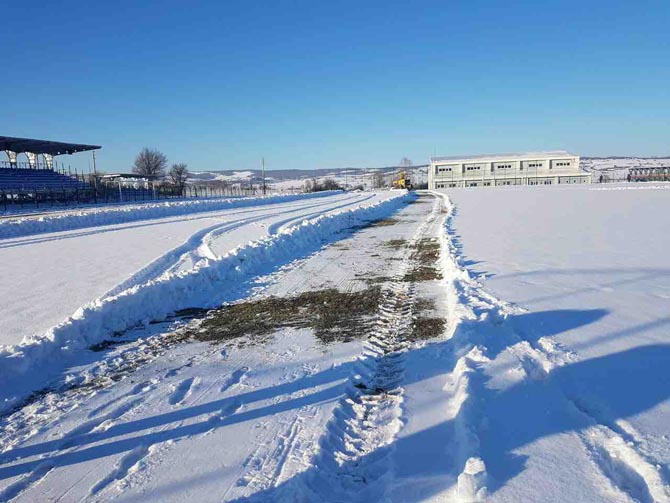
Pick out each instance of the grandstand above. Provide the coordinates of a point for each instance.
(12, 179)
(36, 180)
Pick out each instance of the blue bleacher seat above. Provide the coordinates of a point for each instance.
(36, 179)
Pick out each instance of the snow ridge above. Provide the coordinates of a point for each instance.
(205, 285)
(110, 215)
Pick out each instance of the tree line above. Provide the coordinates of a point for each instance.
(153, 163)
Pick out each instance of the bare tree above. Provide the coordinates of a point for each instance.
(330, 184)
(178, 175)
(307, 185)
(150, 162)
(377, 180)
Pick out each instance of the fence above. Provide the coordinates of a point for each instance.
(98, 192)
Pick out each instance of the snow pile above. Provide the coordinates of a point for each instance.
(57, 222)
(204, 286)
(472, 482)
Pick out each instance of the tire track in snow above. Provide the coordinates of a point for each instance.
(354, 457)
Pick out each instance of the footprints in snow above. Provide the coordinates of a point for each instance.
(26, 482)
(128, 464)
(182, 390)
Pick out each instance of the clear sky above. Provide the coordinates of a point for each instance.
(326, 84)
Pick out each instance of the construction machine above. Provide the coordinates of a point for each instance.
(402, 181)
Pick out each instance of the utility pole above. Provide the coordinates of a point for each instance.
(95, 172)
(263, 172)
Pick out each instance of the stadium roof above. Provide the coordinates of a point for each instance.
(42, 146)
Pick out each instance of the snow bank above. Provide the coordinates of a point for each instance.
(203, 286)
(56, 222)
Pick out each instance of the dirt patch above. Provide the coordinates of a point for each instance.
(333, 315)
(424, 328)
(395, 243)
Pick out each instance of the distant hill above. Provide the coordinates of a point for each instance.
(293, 179)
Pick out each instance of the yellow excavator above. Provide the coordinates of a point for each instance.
(402, 181)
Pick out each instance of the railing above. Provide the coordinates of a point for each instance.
(97, 192)
(24, 165)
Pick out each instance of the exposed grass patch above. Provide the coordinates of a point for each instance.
(427, 250)
(424, 305)
(425, 255)
(422, 273)
(376, 280)
(424, 328)
(333, 315)
(395, 243)
(384, 222)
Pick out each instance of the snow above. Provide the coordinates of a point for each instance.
(115, 214)
(87, 264)
(582, 382)
(192, 274)
(548, 382)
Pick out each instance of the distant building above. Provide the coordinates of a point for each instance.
(489, 170)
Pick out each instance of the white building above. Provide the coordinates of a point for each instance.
(533, 168)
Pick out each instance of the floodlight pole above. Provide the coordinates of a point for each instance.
(263, 173)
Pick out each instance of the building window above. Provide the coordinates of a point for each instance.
(535, 165)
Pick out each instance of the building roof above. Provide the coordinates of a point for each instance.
(506, 157)
(42, 146)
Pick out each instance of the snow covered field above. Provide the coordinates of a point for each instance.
(505, 345)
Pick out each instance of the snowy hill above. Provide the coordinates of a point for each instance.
(617, 167)
(294, 179)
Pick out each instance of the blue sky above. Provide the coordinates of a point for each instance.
(331, 84)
